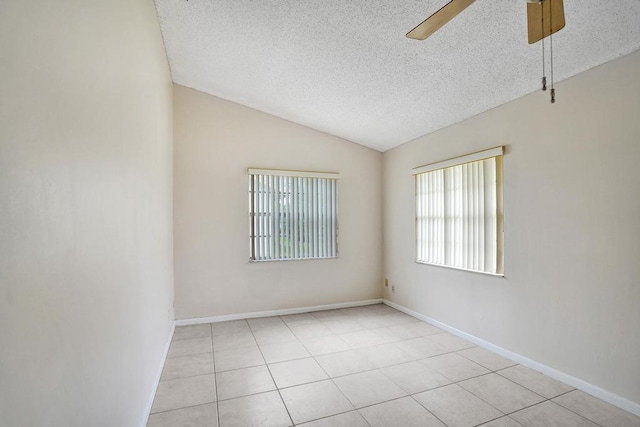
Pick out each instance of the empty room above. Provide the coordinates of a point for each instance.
(319, 213)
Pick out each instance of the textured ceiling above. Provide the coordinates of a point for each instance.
(346, 68)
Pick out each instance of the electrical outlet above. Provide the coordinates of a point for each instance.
(393, 289)
(386, 283)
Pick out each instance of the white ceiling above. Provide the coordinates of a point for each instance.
(346, 68)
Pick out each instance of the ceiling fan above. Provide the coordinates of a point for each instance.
(544, 17)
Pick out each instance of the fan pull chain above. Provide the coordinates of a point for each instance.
(544, 75)
(553, 90)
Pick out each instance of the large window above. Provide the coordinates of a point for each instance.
(459, 216)
(293, 215)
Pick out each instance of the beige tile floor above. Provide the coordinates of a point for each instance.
(362, 366)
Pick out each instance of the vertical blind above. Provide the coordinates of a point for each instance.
(459, 213)
(293, 215)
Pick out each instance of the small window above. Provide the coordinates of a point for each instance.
(459, 216)
(293, 215)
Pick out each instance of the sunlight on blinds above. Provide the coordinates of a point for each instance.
(292, 217)
(459, 216)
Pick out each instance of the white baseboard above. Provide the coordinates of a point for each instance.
(282, 312)
(147, 411)
(591, 389)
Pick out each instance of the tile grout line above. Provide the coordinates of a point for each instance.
(380, 370)
(497, 372)
(545, 399)
(498, 418)
(215, 378)
(503, 414)
(409, 395)
(354, 409)
(486, 367)
(355, 318)
(192, 354)
(571, 410)
(592, 390)
(420, 359)
(490, 371)
(321, 367)
(457, 384)
(357, 372)
(426, 409)
(329, 378)
(335, 415)
(184, 407)
(351, 349)
(271, 374)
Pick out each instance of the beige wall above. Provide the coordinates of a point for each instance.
(215, 142)
(85, 211)
(572, 229)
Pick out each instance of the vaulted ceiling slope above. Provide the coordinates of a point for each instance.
(346, 68)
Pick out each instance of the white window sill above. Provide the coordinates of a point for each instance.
(448, 267)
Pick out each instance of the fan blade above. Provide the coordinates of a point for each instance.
(445, 14)
(553, 19)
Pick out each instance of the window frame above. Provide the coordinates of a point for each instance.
(498, 154)
(327, 241)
